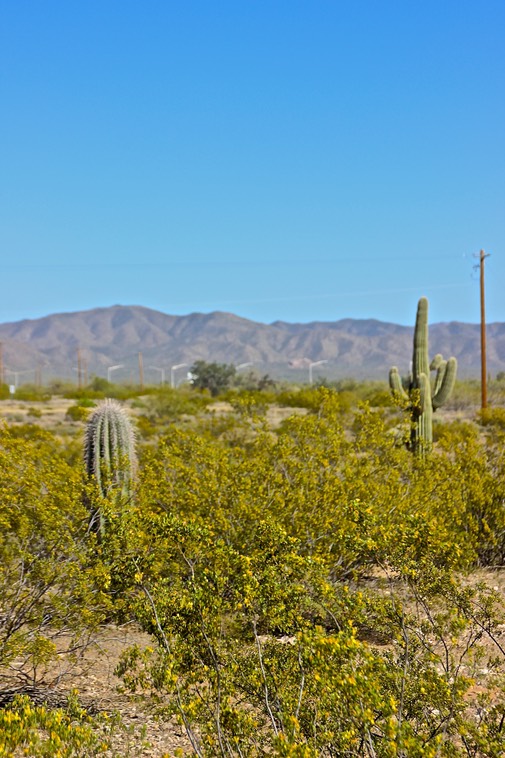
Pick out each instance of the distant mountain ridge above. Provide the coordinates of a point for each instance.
(360, 348)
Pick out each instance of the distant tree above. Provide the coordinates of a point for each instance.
(99, 384)
(214, 377)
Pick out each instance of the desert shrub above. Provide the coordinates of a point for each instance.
(449, 433)
(300, 587)
(51, 588)
(380, 398)
(100, 389)
(32, 392)
(40, 731)
(351, 501)
(77, 413)
(303, 397)
(85, 402)
(250, 401)
(80, 410)
(4, 392)
(32, 432)
(256, 651)
(58, 386)
(168, 404)
(492, 417)
(466, 395)
(145, 427)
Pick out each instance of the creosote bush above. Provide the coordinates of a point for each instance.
(307, 592)
(52, 589)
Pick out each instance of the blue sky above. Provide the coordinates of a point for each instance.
(279, 160)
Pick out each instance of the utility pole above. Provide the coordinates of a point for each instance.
(483, 373)
(141, 372)
(79, 368)
(2, 373)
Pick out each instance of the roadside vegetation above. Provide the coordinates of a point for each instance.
(301, 583)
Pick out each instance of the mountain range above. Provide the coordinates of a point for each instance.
(113, 337)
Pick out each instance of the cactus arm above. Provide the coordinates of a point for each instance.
(440, 367)
(420, 361)
(395, 383)
(445, 384)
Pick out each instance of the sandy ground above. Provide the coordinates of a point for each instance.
(139, 732)
(52, 412)
(146, 735)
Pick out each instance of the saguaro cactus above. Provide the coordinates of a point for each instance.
(109, 453)
(416, 388)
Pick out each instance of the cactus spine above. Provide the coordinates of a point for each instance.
(109, 454)
(416, 389)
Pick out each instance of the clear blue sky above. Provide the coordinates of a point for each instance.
(279, 160)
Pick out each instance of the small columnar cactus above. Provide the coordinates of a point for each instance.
(416, 389)
(109, 453)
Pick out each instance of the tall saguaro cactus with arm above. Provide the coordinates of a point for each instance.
(109, 454)
(417, 390)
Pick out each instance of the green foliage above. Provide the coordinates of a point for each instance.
(80, 411)
(70, 732)
(99, 389)
(31, 392)
(492, 417)
(311, 398)
(50, 592)
(4, 392)
(418, 395)
(213, 377)
(251, 381)
(305, 590)
(167, 404)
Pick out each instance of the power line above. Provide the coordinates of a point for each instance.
(209, 263)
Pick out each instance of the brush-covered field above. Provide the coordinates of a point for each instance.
(285, 579)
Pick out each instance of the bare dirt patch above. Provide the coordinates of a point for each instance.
(140, 732)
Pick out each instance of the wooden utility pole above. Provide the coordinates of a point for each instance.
(141, 372)
(483, 367)
(79, 369)
(2, 377)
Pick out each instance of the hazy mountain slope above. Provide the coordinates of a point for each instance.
(115, 335)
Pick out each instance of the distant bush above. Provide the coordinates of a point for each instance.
(313, 398)
(77, 413)
(492, 417)
(167, 404)
(465, 395)
(4, 392)
(31, 392)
